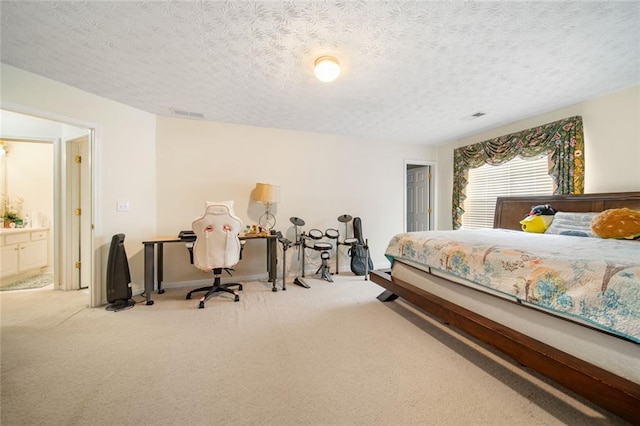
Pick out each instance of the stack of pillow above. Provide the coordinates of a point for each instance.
(620, 223)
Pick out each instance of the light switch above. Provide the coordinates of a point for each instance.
(122, 206)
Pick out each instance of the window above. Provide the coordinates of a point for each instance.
(520, 176)
(562, 141)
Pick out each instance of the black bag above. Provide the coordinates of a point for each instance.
(359, 251)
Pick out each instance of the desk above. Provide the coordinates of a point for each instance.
(151, 260)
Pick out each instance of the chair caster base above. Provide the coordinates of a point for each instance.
(214, 290)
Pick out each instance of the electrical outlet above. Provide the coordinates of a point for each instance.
(122, 206)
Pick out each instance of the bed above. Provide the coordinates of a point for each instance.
(586, 339)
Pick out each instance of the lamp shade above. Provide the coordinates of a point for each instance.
(266, 193)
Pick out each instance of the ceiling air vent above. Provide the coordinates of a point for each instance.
(187, 114)
(473, 116)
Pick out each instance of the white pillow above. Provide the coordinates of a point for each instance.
(572, 223)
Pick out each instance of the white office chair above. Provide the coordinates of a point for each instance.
(217, 247)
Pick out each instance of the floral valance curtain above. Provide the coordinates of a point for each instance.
(562, 139)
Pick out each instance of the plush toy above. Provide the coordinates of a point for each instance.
(617, 223)
(539, 219)
(534, 224)
(542, 210)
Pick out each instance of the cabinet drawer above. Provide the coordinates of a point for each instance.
(16, 238)
(39, 235)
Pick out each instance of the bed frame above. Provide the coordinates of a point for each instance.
(610, 391)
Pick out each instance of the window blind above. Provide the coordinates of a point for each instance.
(517, 177)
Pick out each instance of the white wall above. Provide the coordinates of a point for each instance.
(321, 177)
(612, 145)
(125, 156)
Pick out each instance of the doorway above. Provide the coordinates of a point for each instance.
(419, 184)
(70, 216)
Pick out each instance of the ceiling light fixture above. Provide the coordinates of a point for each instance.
(326, 68)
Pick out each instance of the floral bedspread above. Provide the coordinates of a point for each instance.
(594, 279)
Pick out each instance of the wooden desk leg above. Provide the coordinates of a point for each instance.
(149, 255)
(160, 267)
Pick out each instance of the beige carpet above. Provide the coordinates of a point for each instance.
(329, 355)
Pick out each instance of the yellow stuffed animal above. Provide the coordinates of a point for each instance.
(617, 223)
(537, 224)
(539, 219)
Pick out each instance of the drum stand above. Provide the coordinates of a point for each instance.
(285, 245)
(296, 221)
(324, 270)
(323, 247)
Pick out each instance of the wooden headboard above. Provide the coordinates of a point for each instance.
(511, 210)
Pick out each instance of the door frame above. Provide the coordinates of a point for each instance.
(76, 195)
(88, 199)
(432, 191)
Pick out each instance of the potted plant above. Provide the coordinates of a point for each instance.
(11, 210)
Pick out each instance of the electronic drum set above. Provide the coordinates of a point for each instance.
(313, 240)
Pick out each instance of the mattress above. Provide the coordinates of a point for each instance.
(612, 353)
(591, 280)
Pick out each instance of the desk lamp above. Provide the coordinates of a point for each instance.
(267, 194)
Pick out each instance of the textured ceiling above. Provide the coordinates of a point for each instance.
(414, 71)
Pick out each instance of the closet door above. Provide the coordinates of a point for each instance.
(418, 208)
